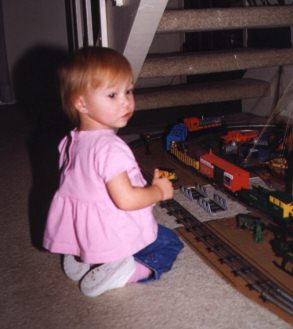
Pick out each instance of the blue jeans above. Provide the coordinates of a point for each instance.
(160, 255)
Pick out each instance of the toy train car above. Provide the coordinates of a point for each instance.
(178, 152)
(240, 136)
(195, 123)
(179, 131)
(276, 204)
(223, 172)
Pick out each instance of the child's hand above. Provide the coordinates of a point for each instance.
(164, 185)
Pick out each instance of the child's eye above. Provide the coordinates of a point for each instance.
(129, 92)
(112, 95)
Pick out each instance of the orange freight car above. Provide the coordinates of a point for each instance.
(240, 136)
(224, 172)
(195, 123)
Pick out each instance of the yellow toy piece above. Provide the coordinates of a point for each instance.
(168, 173)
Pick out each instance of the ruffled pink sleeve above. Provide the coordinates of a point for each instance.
(116, 158)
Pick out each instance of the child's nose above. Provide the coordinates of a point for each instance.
(125, 101)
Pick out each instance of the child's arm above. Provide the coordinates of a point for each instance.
(128, 197)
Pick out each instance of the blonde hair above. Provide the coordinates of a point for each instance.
(90, 68)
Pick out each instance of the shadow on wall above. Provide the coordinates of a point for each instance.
(36, 89)
(35, 82)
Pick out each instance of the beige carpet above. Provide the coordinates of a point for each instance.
(36, 294)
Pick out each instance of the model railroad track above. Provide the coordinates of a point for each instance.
(255, 279)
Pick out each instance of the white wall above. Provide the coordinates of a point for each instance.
(33, 23)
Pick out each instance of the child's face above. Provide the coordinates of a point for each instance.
(106, 107)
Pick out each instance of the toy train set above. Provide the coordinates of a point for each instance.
(194, 143)
(278, 205)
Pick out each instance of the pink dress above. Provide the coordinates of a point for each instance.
(82, 219)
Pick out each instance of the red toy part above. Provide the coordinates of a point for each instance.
(195, 123)
(224, 172)
(240, 136)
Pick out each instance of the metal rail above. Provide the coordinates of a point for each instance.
(255, 279)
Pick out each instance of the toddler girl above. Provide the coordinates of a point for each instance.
(101, 217)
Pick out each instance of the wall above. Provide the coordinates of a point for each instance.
(33, 27)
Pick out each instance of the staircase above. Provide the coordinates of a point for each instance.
(182, 65)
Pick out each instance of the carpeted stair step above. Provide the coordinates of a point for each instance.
(225, 18)
(206, 62)
(214, 61)
(200, 93)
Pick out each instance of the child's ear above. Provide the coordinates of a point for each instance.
(80, 104)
